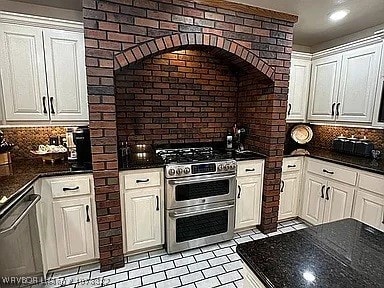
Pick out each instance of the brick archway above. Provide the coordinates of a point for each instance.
(238, 54)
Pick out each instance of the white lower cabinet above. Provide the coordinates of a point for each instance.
(248, 194)
(326, 201)
(290, 185)
(142, 209)
(143, 218)
(66, 217)
(73, 227)
(369, 202)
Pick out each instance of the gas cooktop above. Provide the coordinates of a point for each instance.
(191, 155)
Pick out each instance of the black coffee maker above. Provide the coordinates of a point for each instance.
(82, 140)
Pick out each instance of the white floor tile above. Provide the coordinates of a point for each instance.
(191, 252)
(149, 262)
(115, 278)
(218, 260)
(198, 266)
(163, 266)
(138, 257)
(191, 278)
(210, 272)
(229, 277)
(177, 272)
(204, 256)
(130, 283)
(208, 283)
(233, 266)
(170, 257)
(153, 278)
(300, 226)
(287, 229)
(170, 283)
(139, 272)
(128, 266)
(184, 261)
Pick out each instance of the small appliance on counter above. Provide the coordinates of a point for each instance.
(83, 158)
(353, 146)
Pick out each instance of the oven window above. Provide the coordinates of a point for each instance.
(202, 190)
(203, 225)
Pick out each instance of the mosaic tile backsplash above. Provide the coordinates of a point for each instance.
(30, 138)
(323, 135)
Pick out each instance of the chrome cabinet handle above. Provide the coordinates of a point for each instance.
(322, 191)
(291, 166)
(329, 172)
(327, 193)
(282, 186)
(238, 195)
(51, 102)
(87, 211)
(157, 203)
(34, 199)
(142, 181)
(337, 109)
(289, 108)
(202, 179)
(333, 109)
(71, 189)
(44, 105)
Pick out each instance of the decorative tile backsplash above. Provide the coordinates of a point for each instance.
(323, 136)
(30, 138)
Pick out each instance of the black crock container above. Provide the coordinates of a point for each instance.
(364, 148)
(350, 145)
(338, 144)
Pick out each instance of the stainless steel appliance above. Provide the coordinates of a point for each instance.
(200, 190)
(21, 258)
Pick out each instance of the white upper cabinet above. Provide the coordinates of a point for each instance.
(324, 88)
(65, 63)
(42, 71)
(359, 75)
(343, 86)
(23, 73)
(300, 75)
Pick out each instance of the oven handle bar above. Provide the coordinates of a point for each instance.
(178, 215)
(22, 215)
(200, 179)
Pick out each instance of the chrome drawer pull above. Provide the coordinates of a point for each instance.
(71, 189)
(178, 215)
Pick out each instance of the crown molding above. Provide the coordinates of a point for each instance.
(302, 55)
(42, 22)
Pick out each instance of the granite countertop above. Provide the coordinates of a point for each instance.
(15, 178)
(149, 159)
(345, 253)
(367, 164)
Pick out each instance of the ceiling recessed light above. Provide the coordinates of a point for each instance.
(338, 15)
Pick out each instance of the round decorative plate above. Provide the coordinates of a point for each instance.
(302, 134)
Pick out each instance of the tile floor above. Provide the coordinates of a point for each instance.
(216, 265)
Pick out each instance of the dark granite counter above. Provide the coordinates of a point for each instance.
(17, 177)
(367, 164)
(345, 253)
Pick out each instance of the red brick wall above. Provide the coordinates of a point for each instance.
(180, 97)
(114, 26)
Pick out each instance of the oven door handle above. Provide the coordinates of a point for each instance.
(179, 215)
(199, 180)
(36, 198)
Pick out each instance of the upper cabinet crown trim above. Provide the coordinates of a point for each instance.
(302, 55)
(41, 22)
(349, 46)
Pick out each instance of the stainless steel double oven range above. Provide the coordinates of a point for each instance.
(200, 187)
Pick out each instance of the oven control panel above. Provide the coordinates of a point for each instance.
(184, 170)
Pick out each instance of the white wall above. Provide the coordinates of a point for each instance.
(37, 10)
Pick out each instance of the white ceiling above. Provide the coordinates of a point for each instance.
(313, 26)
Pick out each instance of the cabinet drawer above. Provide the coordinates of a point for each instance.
(332, 171)
(67, 187)
(292, 164)
(245, 168)
(142, 180)
(373, 183)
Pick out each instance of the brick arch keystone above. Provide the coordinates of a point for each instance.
(188, 40)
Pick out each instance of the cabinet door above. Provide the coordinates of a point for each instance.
(324, 88)
(298, 90)
(359, 76)
(143, 218)
(289, 195)
(248, 201)
(339, 199)
(369, 208)
(73, 228)
(313, 201)
(65, 62)
(22, 72)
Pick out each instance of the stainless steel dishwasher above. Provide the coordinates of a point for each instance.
(20, 251)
